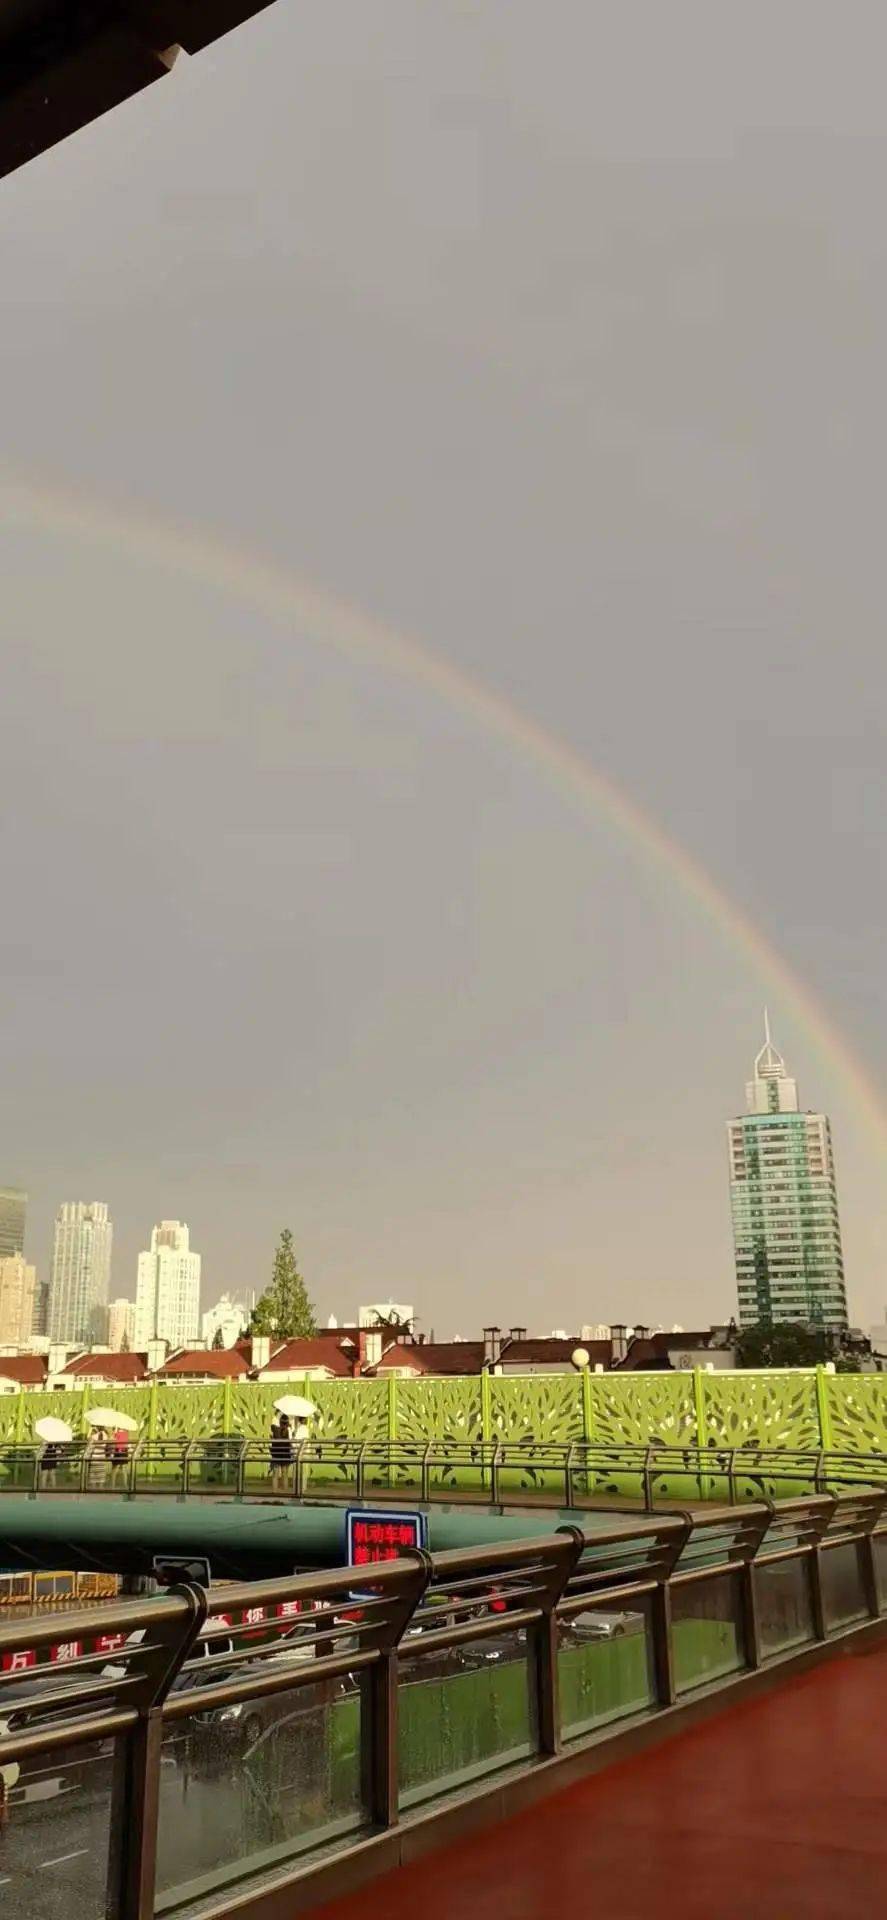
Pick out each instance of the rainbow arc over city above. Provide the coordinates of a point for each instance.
(328, 621)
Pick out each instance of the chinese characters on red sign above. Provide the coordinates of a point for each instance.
(375, 1540)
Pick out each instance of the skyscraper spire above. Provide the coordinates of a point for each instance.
(769, 1064)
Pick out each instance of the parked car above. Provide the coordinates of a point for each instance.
(595, 1625)
(242, 1722)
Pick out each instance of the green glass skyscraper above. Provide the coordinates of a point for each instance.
(786, 1230)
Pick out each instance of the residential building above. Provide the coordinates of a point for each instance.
(98, 1369)
(386, 1313)
(13, 1208)
(168, 1288)
(229, 1316)
(197, 1366)
(121, 1325)
(81, 1270)
(40, 1319)
(786, 1230)
(320, 1358)
(21, 1372)
(18, 1285)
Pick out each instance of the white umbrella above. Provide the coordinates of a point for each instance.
(106, 1417)
(295, 1406)
(51, 1429)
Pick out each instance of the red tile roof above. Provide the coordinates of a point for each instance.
(516, 1353)
(126, 1368)
(433, 1356)
(299, 1356)
(652, 1349)
(224, 1363)
(29, 1369)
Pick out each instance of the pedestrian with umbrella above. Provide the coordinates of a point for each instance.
(119, 1426)
(55, 1434)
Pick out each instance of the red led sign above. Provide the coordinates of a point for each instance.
(373, 1537)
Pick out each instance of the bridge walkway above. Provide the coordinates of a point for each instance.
(773, 1809)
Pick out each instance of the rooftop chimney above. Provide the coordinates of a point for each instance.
(260, 1349)
(372, 1347)
(492, 1345)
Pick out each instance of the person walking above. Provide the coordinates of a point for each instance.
(119, 1452)
(96, 1456)
(281, 1453)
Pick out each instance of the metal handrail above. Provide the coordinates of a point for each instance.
(402, 1463)
(540, 1582)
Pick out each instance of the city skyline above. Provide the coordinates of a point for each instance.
(771, 1098)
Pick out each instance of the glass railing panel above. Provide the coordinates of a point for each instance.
(245, 1789)
(785, 1607)
(55, 1825)
(880, 1544)
(843, 1594)
(707, 1636)
(464, 1712)
(605, 1666)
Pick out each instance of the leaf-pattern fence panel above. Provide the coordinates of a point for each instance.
(535, 1406)
(439, 1412)
(750, 1410)
(189, 1413)
(857, 1409)
(8, 1418)
(347, 1411)
(136, 1401)
(62, 1405)
(761, 1410)
(642, 1410)
(545, 1408)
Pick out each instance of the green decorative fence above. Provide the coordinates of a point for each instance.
(800, 1409)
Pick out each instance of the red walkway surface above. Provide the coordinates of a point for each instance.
(774, 1810)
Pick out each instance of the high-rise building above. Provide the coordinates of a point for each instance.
(121, 1325)
(168, 1289)
(786, 1231)
(13, 1207)
(40, 1322)
(18, 1284)
(228, 1316)
(81, 1271)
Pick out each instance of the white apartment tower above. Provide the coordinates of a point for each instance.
(168, 1289)
(121, 1324)
(81, 1270)
(231, 1316)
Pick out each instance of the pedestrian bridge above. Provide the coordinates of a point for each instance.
(657, 1680)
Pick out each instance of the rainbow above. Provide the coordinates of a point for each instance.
(332, 622)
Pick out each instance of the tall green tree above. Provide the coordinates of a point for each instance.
(284, 1308)
(217, 1341)
(791, 1344)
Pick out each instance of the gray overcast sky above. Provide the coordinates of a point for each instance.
(553, 335)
